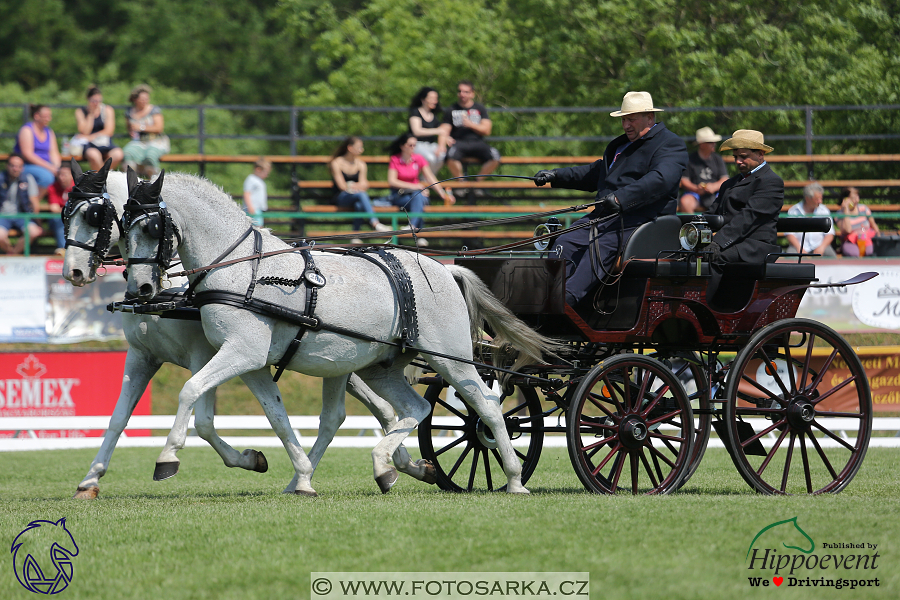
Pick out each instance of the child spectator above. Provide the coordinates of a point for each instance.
(857, 226)
(256, 197)
(57, 196)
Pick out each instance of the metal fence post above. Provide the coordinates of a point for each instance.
(809, 139)
(201, 135)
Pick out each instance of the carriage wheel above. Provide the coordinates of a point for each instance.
(464, 451)
(688, 367)
(801, 384)
(630, 427)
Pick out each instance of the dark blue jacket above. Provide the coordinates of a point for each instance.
(23, 202)
(750, 206)
(644, 178)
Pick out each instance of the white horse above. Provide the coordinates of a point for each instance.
(358, 298)
(92, 230)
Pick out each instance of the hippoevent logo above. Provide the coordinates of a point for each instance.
(42, 557)
(33, 395)
(783, 554)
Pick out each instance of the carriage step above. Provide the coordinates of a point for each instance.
(745, 432)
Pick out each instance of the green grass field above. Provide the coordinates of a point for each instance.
(212, 532)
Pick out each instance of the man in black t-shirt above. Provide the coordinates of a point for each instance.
(466, 123)
(704, 175)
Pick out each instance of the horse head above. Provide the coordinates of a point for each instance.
(41, 544)
(151, 236)
(89, 216)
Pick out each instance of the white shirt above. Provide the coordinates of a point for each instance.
(813, 238)
(258, 194)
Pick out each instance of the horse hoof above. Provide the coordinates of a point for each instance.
(386, 482)
(88, 493)
(430, 475)
(165, 470)
(262, 465)
(307, 493)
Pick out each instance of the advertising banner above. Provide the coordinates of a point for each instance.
(59, 384)
(23, 296)
(77, 314)
(868, 307)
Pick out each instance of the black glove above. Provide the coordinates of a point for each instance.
(544, 177)
(609, 205)
(716, 252)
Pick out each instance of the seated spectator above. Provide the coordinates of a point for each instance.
(256, 195)
(96, 126)
(57, 196)
(348, 172)
(857, 226)
(811, 206)
(467, 123)
(425, 124)
(407, 192)
(36, 144)
(18, 194)
(705, 174)
(146, 127)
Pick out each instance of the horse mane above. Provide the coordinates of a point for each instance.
(200, 186)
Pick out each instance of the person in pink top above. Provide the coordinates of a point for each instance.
(407, 191)
(857, 226)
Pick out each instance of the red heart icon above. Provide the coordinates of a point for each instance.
(778, 580)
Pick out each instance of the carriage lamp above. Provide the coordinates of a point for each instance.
(551, 226)
(695, 235)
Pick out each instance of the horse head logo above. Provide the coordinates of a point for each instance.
(787, 531)
(40, 545)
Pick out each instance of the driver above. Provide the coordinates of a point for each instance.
(637, 179)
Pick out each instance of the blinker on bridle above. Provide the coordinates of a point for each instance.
(100, 214)
(155, 220)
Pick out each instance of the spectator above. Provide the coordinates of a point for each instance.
(36, 144)
(18, 194)
(705, 174)
(857, 226)
(425, 125)
(635, 181)
(407, 192)
(811, 206)
(146, 127)
(348, 172)
(96, 126)
(57, 196)
(256, 197)
(467, 123)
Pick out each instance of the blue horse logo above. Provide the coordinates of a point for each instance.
(49, 543)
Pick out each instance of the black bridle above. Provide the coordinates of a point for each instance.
(101, 214)
(154, 219)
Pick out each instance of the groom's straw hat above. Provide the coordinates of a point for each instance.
(635, 102)
(746, 138)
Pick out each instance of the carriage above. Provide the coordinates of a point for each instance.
(653, 366)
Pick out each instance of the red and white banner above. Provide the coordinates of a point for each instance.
(62, 384)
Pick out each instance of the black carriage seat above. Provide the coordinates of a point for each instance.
(659, 240)
(781, 266)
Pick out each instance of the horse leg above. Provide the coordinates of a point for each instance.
(476, 393)
(266, 391)
(204, 414)
(422, 469)
(333, 414)
(412, 409)
(139, 370)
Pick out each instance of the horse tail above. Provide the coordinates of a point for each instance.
(508, 329)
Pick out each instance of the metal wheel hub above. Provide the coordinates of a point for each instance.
(632, 432)
(800, 413)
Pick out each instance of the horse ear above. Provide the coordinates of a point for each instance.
(156, 187)
(76, 169)
(131, 179)
(105, 169)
